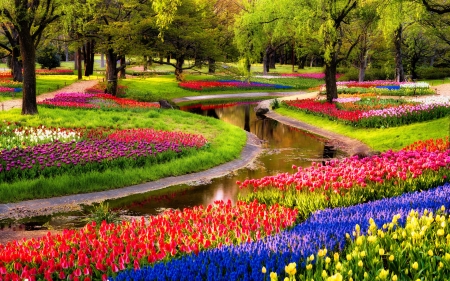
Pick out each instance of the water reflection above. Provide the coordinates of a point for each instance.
(283, 147)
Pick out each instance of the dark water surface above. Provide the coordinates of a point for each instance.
(283, 146)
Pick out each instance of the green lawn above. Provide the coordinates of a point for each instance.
(226, 143)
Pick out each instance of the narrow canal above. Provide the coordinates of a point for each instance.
(283, 146)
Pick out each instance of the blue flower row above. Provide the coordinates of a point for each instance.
(326, 228)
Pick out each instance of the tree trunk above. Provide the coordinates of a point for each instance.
(80, 68)
(248, 65)
(293, 57)
(102, 60)
(272, 59)
(302, 62)
(75, 61)
(266, 62)
(211, 66)
(414, 61)
(28, 54)
(111, 72)
(16, 65)
(86, 57)
(92, 58)
(179, 68)
(362, 66)
(330, 79)
(399, 73)
(145, 63)
(66, 52)
(122, 74)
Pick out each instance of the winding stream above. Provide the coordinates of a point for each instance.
(282, 145)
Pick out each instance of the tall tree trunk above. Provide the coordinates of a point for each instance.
(330, 79)
(80, 68)
(122, 74)
(27, 50)
(266, 61)
(86, 57)
(66, 52)
(111, 72)
(102, 60)
(272, 59)
(248, 65)
(145, 63)
(302, 62)
(92, 57)
(211, 66)
(362, 66)
(399, 72)
(179, 68)
(293, 57)
(16, 65)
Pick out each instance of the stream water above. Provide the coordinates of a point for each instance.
(282, 145)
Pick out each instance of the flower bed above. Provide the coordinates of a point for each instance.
(387, 116)
(383, 88)
(79, 100)
(418, 251)
(99, 88)
(54, 71)
(15, 136)
(227, 84)
(98, 251)
(97, 152)
(5, 75)
(324, 229)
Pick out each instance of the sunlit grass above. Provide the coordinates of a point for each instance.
(226, 143)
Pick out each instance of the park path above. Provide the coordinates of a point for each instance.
(77, 87)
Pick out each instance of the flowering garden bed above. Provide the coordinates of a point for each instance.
(80, 100)
(54, 71)
(222, 242)
(383, 88)
(372, 113)
(206, 85)
(46, 152)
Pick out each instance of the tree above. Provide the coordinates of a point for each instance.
(395, 17)
(323, 20)
(13, 48)
(188, 36)
(29, 18)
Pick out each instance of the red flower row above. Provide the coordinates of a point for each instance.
(95, 252)
(339, 175)
(150, 135)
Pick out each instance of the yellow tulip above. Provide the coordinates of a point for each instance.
(264, 270)
(391, 257)
(381, 251)
(415, 265)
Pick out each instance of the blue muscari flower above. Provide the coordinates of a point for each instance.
(325, 228)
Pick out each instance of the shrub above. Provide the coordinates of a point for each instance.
(48, 57)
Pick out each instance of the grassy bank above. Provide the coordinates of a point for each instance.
(378, 139)
(226, 143)
(166, 87)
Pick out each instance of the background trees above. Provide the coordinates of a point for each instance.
(29, 19)
(337, 32)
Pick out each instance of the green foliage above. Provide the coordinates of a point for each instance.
(101, 212)
(372, 74)
(48, 57)
(433, 73)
